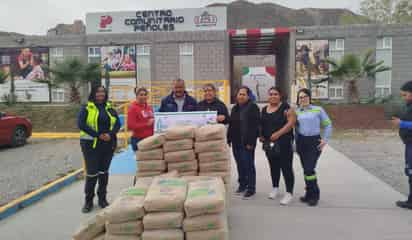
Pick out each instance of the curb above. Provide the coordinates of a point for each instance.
(33, 197)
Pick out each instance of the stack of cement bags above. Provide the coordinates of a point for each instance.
(125, 214)
(164, 205)
(213, 152)
(150, 157)
(205, 210)
(178, 150)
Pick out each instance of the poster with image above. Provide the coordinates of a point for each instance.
(311, 65)
(25, 66)
(259, 80)
(119, 65)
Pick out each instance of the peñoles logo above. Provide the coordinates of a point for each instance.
(105, 21)
(205, 20)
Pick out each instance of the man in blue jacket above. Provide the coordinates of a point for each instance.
(179, 100)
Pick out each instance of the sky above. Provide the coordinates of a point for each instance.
(37, 16)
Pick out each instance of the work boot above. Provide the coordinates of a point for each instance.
(313, 202)
(404, 204)
(87, 207)
(102, 190)
(248, 195)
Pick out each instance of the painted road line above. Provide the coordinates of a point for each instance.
(30, 198)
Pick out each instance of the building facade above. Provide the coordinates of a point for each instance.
(161, 52)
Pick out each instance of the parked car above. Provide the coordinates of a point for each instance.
(14, 130)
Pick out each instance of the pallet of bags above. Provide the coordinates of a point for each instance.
(164, 206)
(213, 152)
(124, 217)
(178, 150)
(205, 210)
(150, 157)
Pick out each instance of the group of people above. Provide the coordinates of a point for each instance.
(279, 127)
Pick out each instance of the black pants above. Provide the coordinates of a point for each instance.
(309, 153)
(281, 161)
(97, 162)
(245, 162)
(408, 168)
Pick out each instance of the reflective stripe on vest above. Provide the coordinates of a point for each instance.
(92, 121)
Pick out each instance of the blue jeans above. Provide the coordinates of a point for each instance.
(245, 161)
(134, 141)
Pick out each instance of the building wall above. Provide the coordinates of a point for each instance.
(360, 38)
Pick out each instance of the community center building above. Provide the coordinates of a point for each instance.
(152, 47)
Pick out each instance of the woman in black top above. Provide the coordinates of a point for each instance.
(212, 103)
(99, 124)
(277, 122)
(242, 135)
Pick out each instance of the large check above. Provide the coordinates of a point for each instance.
(165, 120)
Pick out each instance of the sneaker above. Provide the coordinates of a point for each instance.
(404, 204)
(286, 199)
(274, 193)
(303, 199)
(88, 207)
(248, 195)
(240, 191)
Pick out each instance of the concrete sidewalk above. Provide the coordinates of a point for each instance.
(354, 205)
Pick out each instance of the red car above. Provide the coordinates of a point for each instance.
(14, 130)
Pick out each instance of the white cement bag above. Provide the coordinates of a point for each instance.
(210, 132)
(151, 166)
(121, 237)
(126, 228)
(205, 197)
(154, 154)
(129, 206)
(100, 237)
(175, 234)
(178, 145)
(166, 195)
(152, 142)
(173, 173)
(217, 234)
(214, 156)
(204, 222)
(190, 179)
(141, 174)
(187, 166)
(192, 173)
(211, 146)
(91, 229)
(181, 156)
(163, 221)
(224, 175)
(180, 132)
(220, 166)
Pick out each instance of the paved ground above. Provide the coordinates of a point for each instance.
(27, 168)
(354, 205)
(380, 152)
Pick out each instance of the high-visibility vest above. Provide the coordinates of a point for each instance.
(92, 121)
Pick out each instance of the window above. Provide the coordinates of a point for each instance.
(336, 52)
(58, 95)
(336, 91)
(186, 64)
(56, 55)
(143, 60)
(383, 80)
(94, 55)
(384, 43)
(5, 59)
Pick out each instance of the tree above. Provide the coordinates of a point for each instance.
(352, 68)
(3, 76)
(403, 12)
(387, 11)
(75, 73)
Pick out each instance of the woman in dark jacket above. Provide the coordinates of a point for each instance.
(212, 103)
(99, 124)
(242, 135)
(277, 122)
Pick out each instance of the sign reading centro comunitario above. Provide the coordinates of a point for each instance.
(165, 20)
